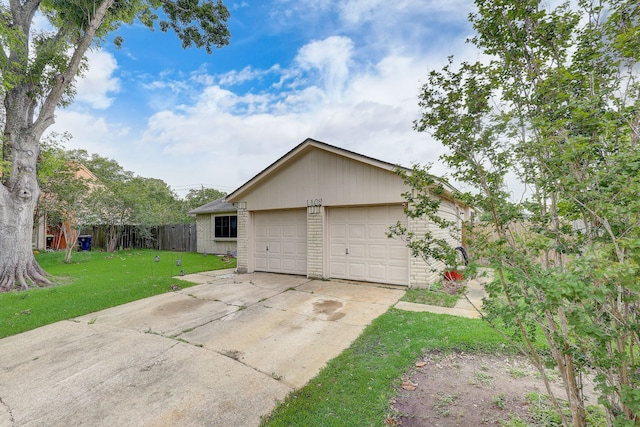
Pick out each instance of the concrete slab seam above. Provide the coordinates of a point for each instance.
(239, 307)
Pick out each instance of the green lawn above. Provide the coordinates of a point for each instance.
(431, 297)
(98, 280)
(355, 388)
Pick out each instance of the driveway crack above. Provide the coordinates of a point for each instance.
(158, 359)
(11, 418)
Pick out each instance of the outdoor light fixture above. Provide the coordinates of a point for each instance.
(178, 262)
(157, 258)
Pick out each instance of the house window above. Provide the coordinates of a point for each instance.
(226, 226)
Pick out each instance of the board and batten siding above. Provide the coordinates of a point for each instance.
(318, 174)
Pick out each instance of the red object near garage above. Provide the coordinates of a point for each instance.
(453, 275)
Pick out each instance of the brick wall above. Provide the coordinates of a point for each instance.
(243, 239)
(206, 242)
(315, 235)
(423, 273)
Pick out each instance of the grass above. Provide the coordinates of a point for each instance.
(97, 280)
(355, 388)
(434, 296)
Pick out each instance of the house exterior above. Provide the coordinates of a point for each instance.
(52, 236)
(324, 212)
(216, 225)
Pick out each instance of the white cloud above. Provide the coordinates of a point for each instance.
(242, 134)
(331, 58)
(90, 132)
(98, 83)
(357, 11)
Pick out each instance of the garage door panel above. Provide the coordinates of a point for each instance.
(355, 215)
(357, 251)
(275, 247)
(377, 252)
(275, 264)
(398, 254)
(372, 256)
(261, 263)
(289, 264)
(357, 231)
(275, 231)
(285, 235)
(338, 232)
(378, 231)
(357, 270)
(261, 232)
(289, 248)
(337, 249)
(377, 215)
(289, 231)
(397, 274)
(378, 272)
(339, 269)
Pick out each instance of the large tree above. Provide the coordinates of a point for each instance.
(554, 108)
(38, 68)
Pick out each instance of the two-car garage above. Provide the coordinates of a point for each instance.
(325, 212)
(357, 244)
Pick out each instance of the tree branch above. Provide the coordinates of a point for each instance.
(63, 80)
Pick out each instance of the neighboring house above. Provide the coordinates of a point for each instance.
(217, 227)
(52, 236)
(323, 212)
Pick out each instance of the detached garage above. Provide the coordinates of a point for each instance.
(323, 212)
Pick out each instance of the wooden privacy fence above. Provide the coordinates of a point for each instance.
(171, 237)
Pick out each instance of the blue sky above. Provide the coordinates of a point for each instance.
(346, 72)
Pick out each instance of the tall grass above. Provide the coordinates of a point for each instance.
(97, 280)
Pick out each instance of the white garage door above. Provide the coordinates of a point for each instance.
(359, 248)
(280, 243)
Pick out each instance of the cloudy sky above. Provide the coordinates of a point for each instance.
(345, 72)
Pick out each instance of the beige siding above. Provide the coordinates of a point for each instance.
(318, 174)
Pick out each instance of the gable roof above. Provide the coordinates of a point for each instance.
(218, 205)
(297, 151)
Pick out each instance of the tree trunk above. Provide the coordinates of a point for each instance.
(19, 192)
(18, 198)
(70, 241)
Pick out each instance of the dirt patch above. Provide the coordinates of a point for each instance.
(457, 389)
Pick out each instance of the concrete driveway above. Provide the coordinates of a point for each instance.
(218, 354)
